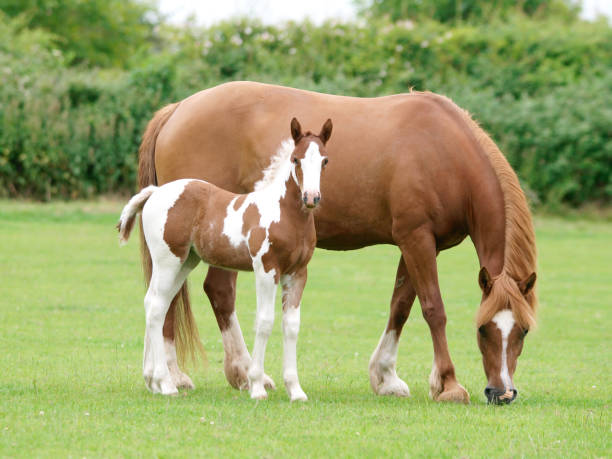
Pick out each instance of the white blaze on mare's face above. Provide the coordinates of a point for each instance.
(311, 169)
(505, 322)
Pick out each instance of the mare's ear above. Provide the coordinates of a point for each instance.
(484, 280)
(296, 130)
(326, 130)
(526, 285)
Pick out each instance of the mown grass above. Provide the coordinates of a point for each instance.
(71, 326)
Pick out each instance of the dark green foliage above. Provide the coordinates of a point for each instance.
(92, 32)
(543, 90)
(454, 11)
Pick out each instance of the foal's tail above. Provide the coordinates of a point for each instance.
(128, 215)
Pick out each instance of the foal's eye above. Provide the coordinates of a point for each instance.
(295, 161)
(325, 161)
(525, 332)
(482, 330)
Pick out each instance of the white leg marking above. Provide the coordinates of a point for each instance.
(435, 382)
(505, 322)
(179, 378)
(237, 358)
(266, 292)
(291, 329)
(167, 277)
(383, 376)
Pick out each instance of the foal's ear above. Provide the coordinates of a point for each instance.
(325, 133)
(296, 130)
(526, 285)
(484, 280)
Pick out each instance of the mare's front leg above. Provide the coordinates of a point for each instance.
(265, 285)
(293, 286)
(419, 252)
(220, 287)
(383, 375)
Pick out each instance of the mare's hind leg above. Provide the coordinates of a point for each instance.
(419, 252)
(383, 376)
(166, 280)
(220, 287)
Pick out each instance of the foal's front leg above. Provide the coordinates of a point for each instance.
(293, 286)
(265, 285)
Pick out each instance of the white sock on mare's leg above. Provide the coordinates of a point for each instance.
(383, 376)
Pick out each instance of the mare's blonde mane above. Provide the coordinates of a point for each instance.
(520, 248)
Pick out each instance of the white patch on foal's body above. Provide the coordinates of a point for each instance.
(383, 376)
(505, 322)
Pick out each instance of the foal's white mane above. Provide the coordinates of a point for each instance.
(279, 168)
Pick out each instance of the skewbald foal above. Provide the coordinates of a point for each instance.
(269, 231)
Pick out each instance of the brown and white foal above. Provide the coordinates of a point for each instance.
(269, 231)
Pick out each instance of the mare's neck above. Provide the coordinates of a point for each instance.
(488, 229)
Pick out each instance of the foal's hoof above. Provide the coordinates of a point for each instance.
(268, 383)
(163, 385)
(456, 394)
(259, 393)
(236, 375)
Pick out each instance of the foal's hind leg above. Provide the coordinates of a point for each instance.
(383, 376)
(167, 277)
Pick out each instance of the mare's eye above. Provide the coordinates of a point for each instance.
(295, 161)
(525, 332)
(482, 330)
(325, 161)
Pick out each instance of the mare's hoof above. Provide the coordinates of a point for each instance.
(456, 394)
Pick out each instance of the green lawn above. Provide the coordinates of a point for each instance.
(71, 328)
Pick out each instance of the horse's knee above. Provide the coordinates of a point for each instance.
(434, 314)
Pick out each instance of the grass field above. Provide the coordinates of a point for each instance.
(71, 327)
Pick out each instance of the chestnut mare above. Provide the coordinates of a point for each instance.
(269, 231)
(412, 170)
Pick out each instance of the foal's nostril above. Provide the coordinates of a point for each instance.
(317, 199)
(305, 199)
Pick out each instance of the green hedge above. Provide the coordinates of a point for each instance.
(542, 89)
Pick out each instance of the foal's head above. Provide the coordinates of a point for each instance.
(504, 318)
(308, 160)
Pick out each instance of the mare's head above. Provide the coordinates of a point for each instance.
(308, 160)
(505, 316)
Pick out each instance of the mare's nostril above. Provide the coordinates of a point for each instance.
(305, 199)
(317, 199)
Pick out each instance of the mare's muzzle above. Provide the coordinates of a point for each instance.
(500, 396)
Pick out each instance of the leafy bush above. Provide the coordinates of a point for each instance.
(542, 89)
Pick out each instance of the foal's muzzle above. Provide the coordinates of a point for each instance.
(311, 199)
(500, 396)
